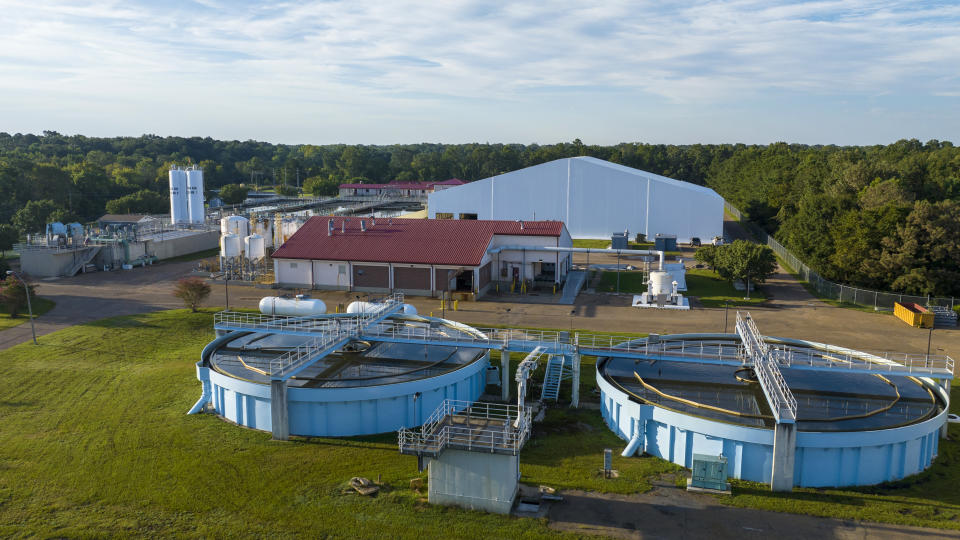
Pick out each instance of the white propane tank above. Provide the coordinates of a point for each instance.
(253, 247)
(230, 245)
(660, 283)
(362, 307)
(370, 307)
(295, 307)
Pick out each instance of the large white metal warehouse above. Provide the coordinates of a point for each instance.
(594, 198)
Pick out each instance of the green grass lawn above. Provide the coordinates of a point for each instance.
(630, 282)
(40, 306)
(713, 291)
(95, 442)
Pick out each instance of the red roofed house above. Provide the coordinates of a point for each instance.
(418, 190)
(421, 256)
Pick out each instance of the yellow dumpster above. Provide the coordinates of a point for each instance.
(913, 314)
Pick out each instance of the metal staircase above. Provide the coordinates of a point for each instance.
(552, 378)
(84, 259)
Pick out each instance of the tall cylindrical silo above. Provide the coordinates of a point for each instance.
(254, 248)
(179, 206)
(195, 195)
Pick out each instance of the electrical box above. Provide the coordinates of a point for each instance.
(618, 241)
(709, 472)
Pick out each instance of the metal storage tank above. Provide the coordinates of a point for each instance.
(237, 225)
(297, 307)
(179, 204)
(254, 248)
(365, 387)
(230, 246)
(660, 283)
(852, 426)
(197, 214)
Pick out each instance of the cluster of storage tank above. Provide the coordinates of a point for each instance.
(236, 240)
(304, 306)
(186, 195)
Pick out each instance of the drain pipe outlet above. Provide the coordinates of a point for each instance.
(635, 442)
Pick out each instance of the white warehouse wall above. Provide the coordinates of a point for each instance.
(594, 198)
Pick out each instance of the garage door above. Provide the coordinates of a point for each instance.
(411, 278)
(371, 276)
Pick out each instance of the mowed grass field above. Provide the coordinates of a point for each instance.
(94, 441)
(39, 305)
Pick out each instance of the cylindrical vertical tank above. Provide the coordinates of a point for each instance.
(660, 283)
(179, 207)
(230, 245)
(254, 248)
(237, 225)
(197, 214)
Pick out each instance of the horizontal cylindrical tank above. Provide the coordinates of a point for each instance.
(660, 283)
(230, 245)
(298, 307)
(237, 225)
(370, 307)
(254, 247)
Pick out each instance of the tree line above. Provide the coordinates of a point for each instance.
(883, 216)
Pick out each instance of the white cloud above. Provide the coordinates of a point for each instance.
(374, 58)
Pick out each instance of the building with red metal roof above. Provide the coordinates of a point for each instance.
(421, 256)
(397, 189)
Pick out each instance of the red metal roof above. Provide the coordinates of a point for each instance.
(452, 242)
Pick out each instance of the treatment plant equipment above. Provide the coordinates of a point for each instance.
(860, 418)
(781, 411)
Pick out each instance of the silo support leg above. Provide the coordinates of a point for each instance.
(505, 375)
(279, 418)
(575, 393)
(784, 452)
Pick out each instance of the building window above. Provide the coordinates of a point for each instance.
(444, 215)
(468, 216)
(293, 265)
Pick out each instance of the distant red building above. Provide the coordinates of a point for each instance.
(415, 190)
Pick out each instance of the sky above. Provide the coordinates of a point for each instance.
(358, 72)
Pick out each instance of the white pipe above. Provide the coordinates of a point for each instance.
(552, 249)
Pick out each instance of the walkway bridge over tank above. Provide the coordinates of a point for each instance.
(748, 348)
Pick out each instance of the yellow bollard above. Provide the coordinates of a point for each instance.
(455, 303)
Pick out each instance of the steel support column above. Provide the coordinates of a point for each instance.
(279, 417)
(505, 374)
(575, 391)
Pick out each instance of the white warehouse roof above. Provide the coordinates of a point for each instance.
(593, 197)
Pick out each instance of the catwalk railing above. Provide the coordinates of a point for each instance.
(465, 425)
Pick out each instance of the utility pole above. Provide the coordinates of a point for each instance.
(26, 290)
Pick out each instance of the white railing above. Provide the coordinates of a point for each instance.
(782, 402)
(302, 354)
(886, 362)
(510, 429)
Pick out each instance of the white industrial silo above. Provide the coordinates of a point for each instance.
(197, 214)
(179, 205)
(230, 246)
(237, 225)
(254, 248)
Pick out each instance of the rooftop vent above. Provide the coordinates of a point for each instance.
(330, 228)
(363, 225)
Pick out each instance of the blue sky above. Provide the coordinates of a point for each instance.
(389, 72)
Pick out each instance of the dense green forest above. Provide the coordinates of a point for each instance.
(882, 216)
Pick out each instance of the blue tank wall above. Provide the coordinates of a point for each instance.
(823, 459)
(336, 412)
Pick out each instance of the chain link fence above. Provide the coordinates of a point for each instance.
(829, 289)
